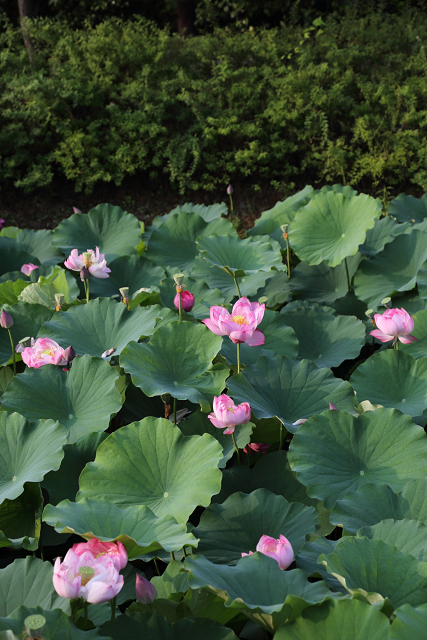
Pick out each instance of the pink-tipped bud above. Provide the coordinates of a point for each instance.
(145, 592)
(230, 190)
(332, 407)
(69, 354)
(6, 320)
(75, 210)
(187, 301)
(2, 222)
(84, 274)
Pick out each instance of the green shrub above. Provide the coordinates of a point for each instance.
(345, 101)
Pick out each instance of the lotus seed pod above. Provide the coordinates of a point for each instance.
(34, 625)
(179, 279)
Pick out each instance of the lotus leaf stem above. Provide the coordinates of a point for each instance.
(236, 447)
(13, 353)
(347, 274)
(113, 608)
(174, 410)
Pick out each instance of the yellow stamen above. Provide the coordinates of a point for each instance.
(239, 320)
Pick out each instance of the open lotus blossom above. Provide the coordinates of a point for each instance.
(146, 592)
(280, 549)
(187, 301)
(394, 324)
(114, 550)
(93, 261)
(95, 579)
(26, 269)
(256, 447)
(226, 415)
(44, 351)
(241, 324)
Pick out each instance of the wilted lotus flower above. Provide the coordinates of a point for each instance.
(394, 324)
(114, 550)
(281, 550)
(93, 261)
(226, 415)
(26, 269)
(187, 301)
(256, 447)
(44, 351)
(145, 591)
(240, 325)
(95, 579)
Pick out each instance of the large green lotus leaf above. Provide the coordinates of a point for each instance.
(277, 290)
(100, 325)
(20, 518)
(217, 278)
(10, 291)
(394, 269)
(177, 360)
(384, 231)
(409, 536)
(321, 283)
(64, 483)
(135, 272)
(409, 623)
(11, 258)
(307, 560)
(204, 604)
(58, 625)
(173, 244)
(204, 297)
(27, 452)
(136, 527)
(282, 213)
(408, 209)
(43, 291)
(417, 349)
(280, 339)
(344, 619)
(115, 232)
(242, 257)
(323, 338)
(197, 423)
(331, 227)
(207, 212)
(27, 320)
(28, 582)
(151, 463)
(372, 503)
(155, 627)
(334, 453)
(225, 530)
(393, 379)
(6, 375)
(258, 586)
(289, 390)
(82, 400)
(39, 245)
(377, 567)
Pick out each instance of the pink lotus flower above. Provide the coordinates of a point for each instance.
(44, 351)
(93, 261)
(26, 269)
(394, 324)
(226, 415)
(75, 210)
(281, 550)
(256, 447)
(187, 301)
(241, 325)
(114, 550)
(146, 592)
(95, 579)
(2, 222)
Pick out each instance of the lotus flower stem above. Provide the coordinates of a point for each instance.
(281, 437)
(179, 310)
(237, 286)
(347, 274)
(174, 410)
(284, 228)
(157, 566)
(184, 552)
(85, 604)
(113, 608)
(236, 447)
(172, 556)
(396, 345)
(13, 352)
(238, 357)
(86, 284)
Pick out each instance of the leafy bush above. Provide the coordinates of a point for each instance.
(341, 101)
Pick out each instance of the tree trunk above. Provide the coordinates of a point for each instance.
(186, 10)
(26, 10)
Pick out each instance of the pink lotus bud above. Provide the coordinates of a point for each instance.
(332, 407)
(2, 222)
(113, 550)
(256, 447)
(145, 592)
(241, 325)
(281, 550)
(75, 210)
(187, 301)
(226, 415)
(230, 190)
(394, 324)
(84, 274)
(300, 421)
(26, 269)
(69, 354)
(6, 320)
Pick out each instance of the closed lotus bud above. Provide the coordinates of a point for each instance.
(84, 274)
(76, 210)
(145, 592)
(230, 190)
(69, 354)
(108, 353)
(332, 407)
(34, 625)
(6, 320)
(187, 301)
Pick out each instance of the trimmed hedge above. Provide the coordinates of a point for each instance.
(344, 101)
